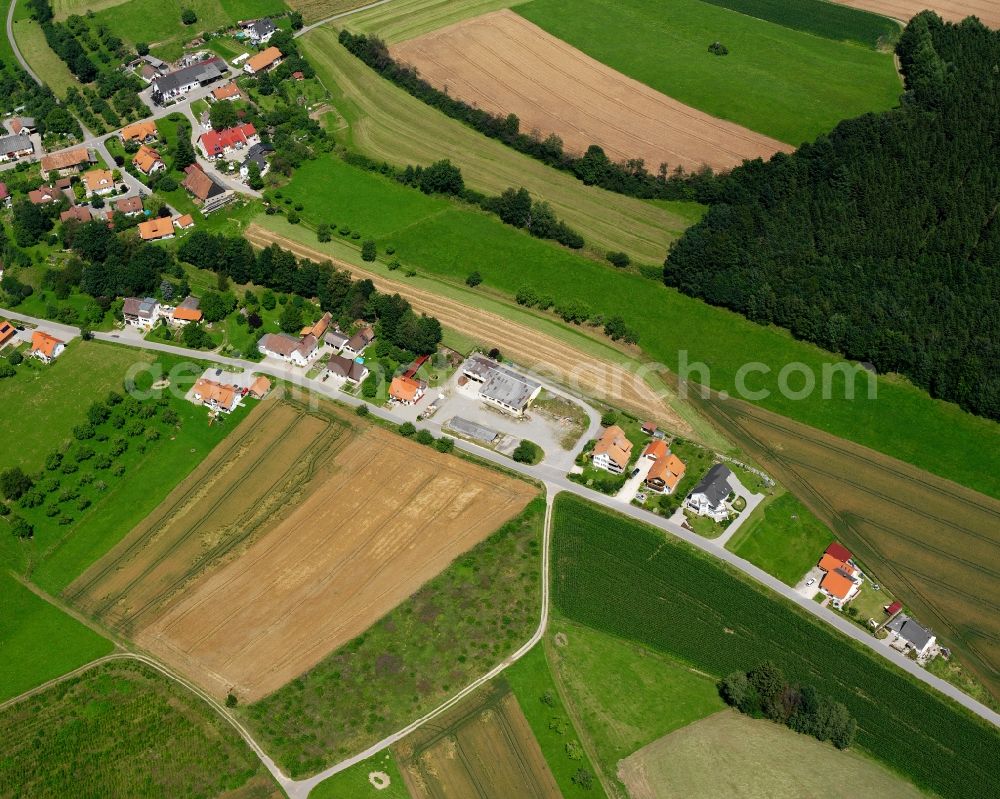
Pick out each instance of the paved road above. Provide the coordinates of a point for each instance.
(13, 44)
(322, 22)
(555, 481)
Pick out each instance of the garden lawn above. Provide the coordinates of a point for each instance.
(42, 405)
(775, 80)
(38, 642)
(674, 330)
(786, 540)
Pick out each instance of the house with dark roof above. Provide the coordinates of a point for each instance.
(335, 339)
(141, 313)
(207, 193)
(175, 84)
(130, 206)
(297, 351)
(260, 30)
(256, 154)
(16, 146)
(44, 195)
(910, 635)
(499, 386)
(708, 498)
(357, 343)
(346, 369)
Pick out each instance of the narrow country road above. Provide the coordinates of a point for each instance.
(321, 22)
(14, 47)
(555, 481)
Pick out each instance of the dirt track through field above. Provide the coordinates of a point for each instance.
(379, 518)
(988, 11)
(504, 64)
(541, 353)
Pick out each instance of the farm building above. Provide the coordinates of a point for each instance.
(499, 386)
(14, 147)
(23, 125)
(346, 369)
(206, 192)
(319, 329)
(288, 348)
(45, 347)
(335, 339)
(67, 161)
(174, 84)
(613, 450)
(708, 498)
(141, 313)
(472, 430)
(216, 396)
(667, 469)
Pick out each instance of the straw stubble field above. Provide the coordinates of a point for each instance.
(304, 530)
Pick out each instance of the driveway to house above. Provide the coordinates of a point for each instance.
(809, 591)
(627, 491)
(555, 481)
(752, 500)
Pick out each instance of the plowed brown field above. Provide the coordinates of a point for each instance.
(988, 11)
(541, 353)
(504, 64)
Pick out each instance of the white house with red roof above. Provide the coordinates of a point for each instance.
(219, 143)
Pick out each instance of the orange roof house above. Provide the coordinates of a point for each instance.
(264, 60)
(147, 160)
(318, 329)
(613, 450)
(841, 581)
(45, 347)
(184, 222)
(407, 390)
(182, 314)
(156, 228)
(80, 212)
(98, 181)
(139, 131)
(665, 473)
(215, 395)
(260, 387)
(656, 450)
(70, 159)
(228, 92)
(7, 331)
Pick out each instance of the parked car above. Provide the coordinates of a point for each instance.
(810, 581)
(635, 471)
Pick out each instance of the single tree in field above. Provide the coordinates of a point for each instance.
(14, 483)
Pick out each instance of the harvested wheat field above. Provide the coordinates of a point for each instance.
(305, 530)
(504, 64)
(934, 543)
(988, 11)
(484, 749)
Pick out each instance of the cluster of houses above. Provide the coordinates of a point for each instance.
(345, 362)
(145, 313)
(168, 86)
(613, 453)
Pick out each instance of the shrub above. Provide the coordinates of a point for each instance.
(609, 418)
(15, 358)
(231, 700)
(619, 259)
(718, 48)
(368, 250)
(21, 528)
(293, 217)
(407, 429)
(323, 232)
(424, 437)
(362, 410)
(444, 444)
(527, 452)
(474, 279)
(583, 778)
(188, 17)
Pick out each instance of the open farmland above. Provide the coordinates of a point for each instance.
(274, 576)
(122, 729)
(621, 576)
(935, 543)
(313, 10)
(821, 18)
(988, 11)
(786, 84)
(406, 19)
(502, 63)
(388, 124)
(732, 755)
(484, 748)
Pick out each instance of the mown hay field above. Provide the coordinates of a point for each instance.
(781, 82)
(935, 544)
(728, 754)
(388, 124)
(503, 64)
(294, 538)
(485, 748)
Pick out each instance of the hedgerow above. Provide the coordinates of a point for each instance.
(622, 577)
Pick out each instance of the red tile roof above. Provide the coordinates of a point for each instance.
(217, 142)
(841, 553)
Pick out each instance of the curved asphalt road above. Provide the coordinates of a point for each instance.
(555, 481)
(13, 44)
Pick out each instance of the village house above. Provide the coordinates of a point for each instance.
(357, 343)
(346, 369)
(259, 31)
(141, 313)
(157, 228)
(612, 450)
(257, 154)
(184, 221)
(708, 498)
(45, 347)
(130, 206)
(297, 351)
(187, 311)
(913, 636)
(263, 61)
(216, 396)
(23, 125)
(319, 329)
(335, 339)
(206, 192)
(67, 162)
(142, 132)
(406, 390)
(7, 332)
(499, 386)
(228, 92)
(259, 388)
(175, 84)
(79, 212)
(44, 195)
(217, 143)
(666, 471)
(98, 181)
(15, 147)
(147, 160)
(841, 579)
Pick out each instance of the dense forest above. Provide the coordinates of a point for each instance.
(880, 240)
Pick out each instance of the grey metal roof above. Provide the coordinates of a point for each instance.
(909, 630)
(508, 387)
(479, 366)
(471, 429)
(202, 72)
(15, 142)
(715, 484)
(335, 338)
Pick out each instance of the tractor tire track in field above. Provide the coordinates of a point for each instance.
(612, 382)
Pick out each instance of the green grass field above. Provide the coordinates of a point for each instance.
(388, 124)
(36, 51)
(627, 696)
(38, 642)
(786, 540)
(122, 729)
(736, 756)
(628, 579)
(353, 783)
(158, 22)
(550, 721)
(775, 80)
(674, 330)
(456, 627)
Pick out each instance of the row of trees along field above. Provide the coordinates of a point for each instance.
(882, 239)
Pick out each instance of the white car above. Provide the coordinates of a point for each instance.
(810, 581)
